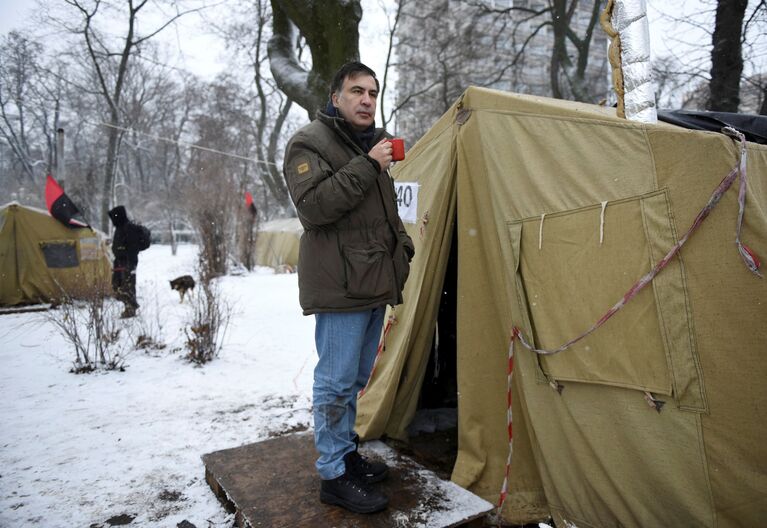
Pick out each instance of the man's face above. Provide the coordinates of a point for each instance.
(356, 102)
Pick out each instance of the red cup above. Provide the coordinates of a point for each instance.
(397, 149)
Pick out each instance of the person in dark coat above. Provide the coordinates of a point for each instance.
(354, 259)
(126, 244)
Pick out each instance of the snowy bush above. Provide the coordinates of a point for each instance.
(210, 320)
(149, 328)
(91, 326)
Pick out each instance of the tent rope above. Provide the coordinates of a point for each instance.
(749, 259)
(183, 143)
(391, 321)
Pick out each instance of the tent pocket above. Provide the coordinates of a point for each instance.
(368, 271)
(574, 265)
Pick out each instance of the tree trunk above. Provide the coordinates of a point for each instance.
(580, 87)
(331, 31)
(763, 107)
(726, 56)
(269, 171)
(559, 58)
(109, 175)
(275, 179)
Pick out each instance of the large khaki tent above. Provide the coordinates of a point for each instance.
(41, 260)
(277, 243)
(560, 208)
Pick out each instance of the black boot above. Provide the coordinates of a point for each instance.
(368, 471)
(348, 492)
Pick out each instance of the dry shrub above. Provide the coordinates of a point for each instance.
(90, 324)
(210, 320)
(149, 330)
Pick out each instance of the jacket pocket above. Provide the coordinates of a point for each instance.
(368, 274)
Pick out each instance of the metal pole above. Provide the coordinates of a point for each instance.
(61, 171)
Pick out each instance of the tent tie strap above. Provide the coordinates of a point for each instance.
(749, 258)
(391, 321)
(602, 223)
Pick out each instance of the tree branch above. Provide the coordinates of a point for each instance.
(290, 76)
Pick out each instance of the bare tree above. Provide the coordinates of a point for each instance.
(434, 50)
(754, 43)
(543, 47)
(215, 191)
(393, 24)
(726, 56)
(572, 24)
(267, 151)
(730, 72)
(111, 65)
(330, 29)
(753, 94)
(172, 176)
(673, 81)
(247, 33)
(24, 107)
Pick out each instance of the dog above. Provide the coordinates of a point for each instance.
(182, 285)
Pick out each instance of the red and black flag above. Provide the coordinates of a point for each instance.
(61, 207)
(250, 204)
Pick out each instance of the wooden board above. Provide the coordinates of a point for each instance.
(274, 484)
(24, 309)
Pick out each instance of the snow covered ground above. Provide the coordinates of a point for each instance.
(78, 450)
(101, 449)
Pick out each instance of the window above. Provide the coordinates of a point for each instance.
(60, 254)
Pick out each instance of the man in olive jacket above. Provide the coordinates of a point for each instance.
(354, 260)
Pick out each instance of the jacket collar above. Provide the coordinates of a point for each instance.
(372, 135)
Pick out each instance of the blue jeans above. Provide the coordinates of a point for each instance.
(346, 344)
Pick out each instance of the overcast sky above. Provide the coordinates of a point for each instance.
(198, 51)
(203, 53)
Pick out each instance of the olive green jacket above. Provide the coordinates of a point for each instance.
(354, 253)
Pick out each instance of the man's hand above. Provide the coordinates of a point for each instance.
(382, 153)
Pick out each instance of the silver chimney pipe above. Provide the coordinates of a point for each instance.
(629, 22)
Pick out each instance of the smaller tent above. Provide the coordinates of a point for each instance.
(41, 260)
(277, 243)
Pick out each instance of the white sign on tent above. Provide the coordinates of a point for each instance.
(407, 201)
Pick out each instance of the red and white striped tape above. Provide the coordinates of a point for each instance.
(392, 320)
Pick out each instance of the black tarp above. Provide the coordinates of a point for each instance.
(754, 127)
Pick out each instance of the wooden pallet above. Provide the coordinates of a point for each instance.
(274, 484)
